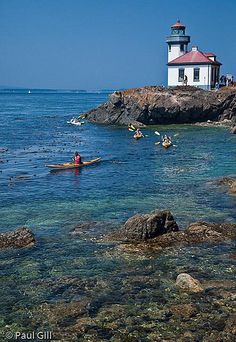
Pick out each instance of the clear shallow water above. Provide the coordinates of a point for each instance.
(134, 176)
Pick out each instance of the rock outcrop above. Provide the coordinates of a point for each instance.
(22, 237)
(159, 105)
(158, 230)
(148, 226)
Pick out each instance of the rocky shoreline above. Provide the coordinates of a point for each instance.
(154, 105)
(183, 303)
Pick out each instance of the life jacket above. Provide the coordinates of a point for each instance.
(78, 159)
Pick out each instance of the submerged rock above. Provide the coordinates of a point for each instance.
(228, 182)
(148, 226)
(184, 310)
(159, 105)
(83, 226)
(198, 232)
(231, 325)
(204, 232)
(22, 237)
(187, 283)
(92, 229)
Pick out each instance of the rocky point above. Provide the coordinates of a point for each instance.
(154, 105)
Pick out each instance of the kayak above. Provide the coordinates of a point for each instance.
(137, 136)
(66, 166)
(74, 122)
(166, 144)
(131, 128)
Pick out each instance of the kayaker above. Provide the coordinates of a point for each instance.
(77, 158)
(138, 133)
(166, 138)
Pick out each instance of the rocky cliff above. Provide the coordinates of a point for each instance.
(159, 105)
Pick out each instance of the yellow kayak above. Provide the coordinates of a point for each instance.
(137, 136)
(167, 144)
(66, 166)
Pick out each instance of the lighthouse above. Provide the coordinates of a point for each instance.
(195, 68)
(177, 41)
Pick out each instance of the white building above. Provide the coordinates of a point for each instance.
(195, 68)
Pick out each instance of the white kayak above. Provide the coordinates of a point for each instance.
(76, 122)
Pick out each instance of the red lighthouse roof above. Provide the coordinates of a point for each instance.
(177, 25)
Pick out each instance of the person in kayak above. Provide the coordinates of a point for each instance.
(138, 133)
(77, 158)
(165, 138)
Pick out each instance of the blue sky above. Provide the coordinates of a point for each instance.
(94, 44)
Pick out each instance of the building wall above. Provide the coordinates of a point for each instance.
(175, 51)
(204, 77)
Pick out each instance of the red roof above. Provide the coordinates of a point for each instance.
(193, 57)
(178, 24)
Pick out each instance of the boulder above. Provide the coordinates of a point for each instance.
(148, 226)
(189, 284)
(22, 237)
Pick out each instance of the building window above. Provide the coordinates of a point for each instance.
(181, 75)
(178, 32)
(181, 47)
(169, 48)
(196, 74)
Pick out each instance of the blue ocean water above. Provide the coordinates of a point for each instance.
(133, 176)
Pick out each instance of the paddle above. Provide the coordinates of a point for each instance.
(157, 143)
(157, 133)
(131, 128)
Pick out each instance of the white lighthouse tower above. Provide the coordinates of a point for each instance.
(177, 41)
